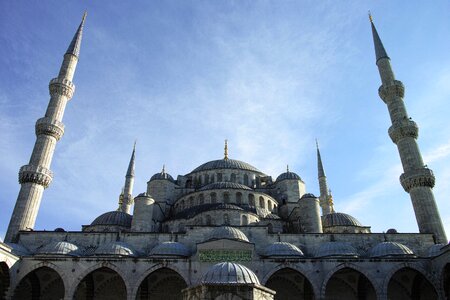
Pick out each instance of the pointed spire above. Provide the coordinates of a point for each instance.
(75, 45)
(130, 171)
(287, 168)
(163, 171)
(225, 154)
(321, 172)
(330, 201)
(380, 52)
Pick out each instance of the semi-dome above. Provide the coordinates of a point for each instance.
(115, 248)
(229, 273)
(283, 249)
(227, 232)
(435, 250)
(225, 186)
(226, 164)
(288, 176)
(118, 218)
(386, 249)
(336, 249)
(339, 219)
(59, 248)
(170, 249)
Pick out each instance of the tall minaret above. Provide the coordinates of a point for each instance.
(325, 203)
(129, 183)
(417, 179)
(36, 175)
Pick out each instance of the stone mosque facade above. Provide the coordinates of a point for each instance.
(224, 231)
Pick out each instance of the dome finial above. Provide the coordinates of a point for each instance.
(163, 171)
(225, 150)
(370, 17)
(287, 168)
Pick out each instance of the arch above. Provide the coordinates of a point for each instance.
(246, 180)
(226, 219)
(290, 284)
(161, 284)
(219, 177)
(244, 220)
(206, 178)
(349, 283)
(269, 205)
(446, 280)
(251, 199)
(41, 283)
(5, 280)
(238, 198)
(201, 199)
(410, 284)
(262, 204)
(233, 177)
(213, 197)
(101, 283)
(226, 197)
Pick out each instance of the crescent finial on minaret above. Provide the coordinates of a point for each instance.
(370, 17)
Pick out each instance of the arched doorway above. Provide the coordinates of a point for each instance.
(4, 279)
(409, 284)
(349, 284)
(289, 285)
(446, 281)
(101, 284)
(42, 283)
(163, 284)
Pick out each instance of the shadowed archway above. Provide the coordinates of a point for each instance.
(410, 284)
(5, 280)
(101, 284)
(42, 283)
(349, 284)
(289, 285)
(162, 284)
(446, 280)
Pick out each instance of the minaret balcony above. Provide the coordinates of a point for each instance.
(391, 92)
(49, 127)
(402, 129)
(422, 177)
(61, 87)
(35, 174)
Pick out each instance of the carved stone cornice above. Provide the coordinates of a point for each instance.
(417, 178)
(392, 91)
(49, 127)
(61, 87)
(404, 128)
(35, 174)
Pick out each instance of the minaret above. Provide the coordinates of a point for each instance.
(36, 175)
(127, 192)
(324, 195)
(417, 179)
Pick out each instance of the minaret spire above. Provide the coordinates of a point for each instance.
(323, 185)
(36, 175)
(417, 179)
(129, 183)
(225, 154)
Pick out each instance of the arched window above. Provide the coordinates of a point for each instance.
(201, 199)
(212, 178)
(191, 201)
(226, 219)
(226, 198)
(251, 199)
(219, 177)
(275, 209)
(233, 177)
(213, 198)
(238, 198)
(244, 220)
(206, 178)
(246, 179)
(269, 205)
(208, 220)
(261, 202)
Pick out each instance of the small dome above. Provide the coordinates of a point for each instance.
(117, 218)
(272, 217)
(59, 229)
(229, 273)
(226, 164)
(386, 249)
(162, 176)
(391, 231)
(225, 186)
(143, 195)
(339, 219)
(227, 232)
(336, 249)
(283, 249)
(59, 248)
(308, 195)
(18, 249)
(115, 248)
(170, 249)
(288, 176)
(435, 250)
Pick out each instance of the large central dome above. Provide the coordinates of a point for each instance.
(226, 164)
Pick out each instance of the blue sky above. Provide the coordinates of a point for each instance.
(182, 76)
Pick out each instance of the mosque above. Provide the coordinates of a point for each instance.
(226, 230)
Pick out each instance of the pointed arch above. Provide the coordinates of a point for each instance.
(290, 284)
(5, 279)
(409, 283)
(42, 282)
(101, 283)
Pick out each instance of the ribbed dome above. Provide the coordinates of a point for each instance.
(225, 186)
(229, 274)
(171, 249)
(308, 195)
(283, 249)
(226, 164)
(336, 249)
(339, 219)
(18, 249)
(385, 249)
(227, 232)
(115, 248)
(118, 218)
(59, 248)
(289, 176)
(435, 250)
(162, 176)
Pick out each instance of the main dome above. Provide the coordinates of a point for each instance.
(226, 164)
(339, 219)
(113, 218)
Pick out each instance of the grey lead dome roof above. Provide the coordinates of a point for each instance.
(283, 249)
(113, 218)
(336, 249)
(162, 176)
(115, 248)
(390, 249)
(226, 164)
(229, 273)
(227, 232)
(339, 219)
(59, 248)
(170, 249)
(225, 185)
(288, 175)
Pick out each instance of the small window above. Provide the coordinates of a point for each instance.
(219, 177)
(226, 198)
(201, 199)
(261, 202)
(246, 179)
(269, 205)
(233, 177)
(226, 219)
(213, 198)
(244, 220)
(238, 198)
(251, 200)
